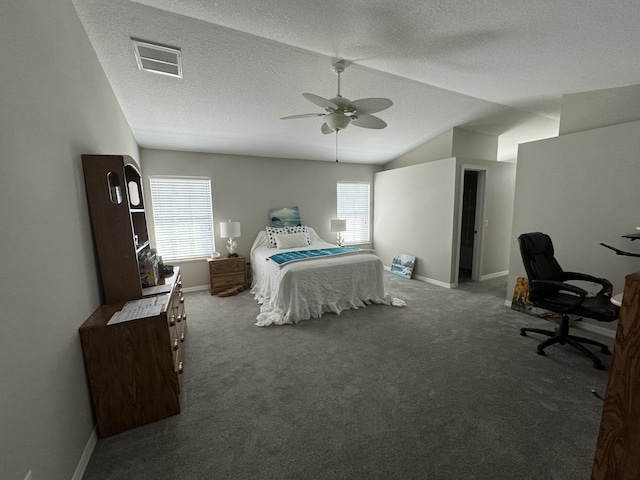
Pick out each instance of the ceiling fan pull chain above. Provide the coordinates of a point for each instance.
(337, 146)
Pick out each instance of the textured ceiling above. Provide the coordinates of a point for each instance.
(492, 66)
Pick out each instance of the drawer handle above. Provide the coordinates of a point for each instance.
(172, 320)
(180, 368)
(182, 337)
(181, 299)
(179, 318)
(184, 316)
(175, 344)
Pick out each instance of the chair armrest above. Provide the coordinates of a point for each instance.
(559, 287)
(607, 287)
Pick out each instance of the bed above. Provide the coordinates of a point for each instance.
(301, 288)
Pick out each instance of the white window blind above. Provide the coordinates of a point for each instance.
(182, 217)
(353, 206)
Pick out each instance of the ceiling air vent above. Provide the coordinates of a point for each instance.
(158, 59)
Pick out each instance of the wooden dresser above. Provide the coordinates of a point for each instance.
(617, 454)
(134, 367)
(226, 272)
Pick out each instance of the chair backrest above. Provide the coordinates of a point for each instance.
(539, 262)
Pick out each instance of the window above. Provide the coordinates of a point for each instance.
(182, 217)
(353, 206)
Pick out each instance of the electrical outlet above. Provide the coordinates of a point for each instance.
(29, 476)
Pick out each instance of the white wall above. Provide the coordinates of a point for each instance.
(55, 104)
(466, 143)
(416, 212)
(600, 108)
(245, 188)
(582, 189)
(437, 148)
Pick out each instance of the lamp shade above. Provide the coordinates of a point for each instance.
(230, 229)
(337, 121)
(338, 225)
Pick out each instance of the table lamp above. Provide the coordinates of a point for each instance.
(230, 230)
(339, 226)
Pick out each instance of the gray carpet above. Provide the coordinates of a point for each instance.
(445, 388)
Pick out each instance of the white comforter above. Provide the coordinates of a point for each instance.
(308, 288)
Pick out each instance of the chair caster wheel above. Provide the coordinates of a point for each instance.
(541, 352)
(605, 351)
(523, 333)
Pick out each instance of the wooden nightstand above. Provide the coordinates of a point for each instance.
(226, 273)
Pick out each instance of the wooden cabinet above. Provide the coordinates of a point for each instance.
(618, 450)
(134, 367)
(116, 204)
(226, 272)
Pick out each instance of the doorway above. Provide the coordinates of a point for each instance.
(471, 222)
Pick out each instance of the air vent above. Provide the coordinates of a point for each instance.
(158, 59)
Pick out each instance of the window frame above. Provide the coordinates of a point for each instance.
(360, 233)
(189, 225)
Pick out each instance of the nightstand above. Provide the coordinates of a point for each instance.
(226, 273)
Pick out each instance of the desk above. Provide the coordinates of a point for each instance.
(617, 299)
(617, 453)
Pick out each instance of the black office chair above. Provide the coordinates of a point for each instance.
(548, 290)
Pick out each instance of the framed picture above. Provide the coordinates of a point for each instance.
(284, 217)
(402, 264)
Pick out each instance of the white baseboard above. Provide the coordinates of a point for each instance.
(588, 327)
(494, 275)
(86, 456)
(197, 288)
(434, 282)
(427, 280)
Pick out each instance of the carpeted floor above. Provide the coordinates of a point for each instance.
(445, 388)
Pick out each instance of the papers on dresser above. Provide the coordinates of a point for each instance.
(144, 307)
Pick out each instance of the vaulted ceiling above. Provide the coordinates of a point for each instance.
(496, 66)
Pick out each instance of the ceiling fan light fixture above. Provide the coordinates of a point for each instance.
(337, 121)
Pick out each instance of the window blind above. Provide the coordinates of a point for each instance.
(354, 205)
(182, 217)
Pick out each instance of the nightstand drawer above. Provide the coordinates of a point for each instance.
(227, 266)
(232, 280)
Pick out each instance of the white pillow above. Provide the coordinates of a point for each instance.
(291, 240)
(301, 229)
(271, 231)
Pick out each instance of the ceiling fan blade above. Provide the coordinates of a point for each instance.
(304, 115)
(368, 121)
(366, 106)
(321, 102)
(325, 129)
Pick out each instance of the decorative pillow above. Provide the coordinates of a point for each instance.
(301, 229)
(291, 240)
(271, 231)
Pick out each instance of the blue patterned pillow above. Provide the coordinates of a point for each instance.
(271, 231)
(301, 229)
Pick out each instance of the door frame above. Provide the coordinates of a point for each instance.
(480, 222)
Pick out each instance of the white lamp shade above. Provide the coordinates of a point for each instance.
(337, 121)
(230, 229)
(338, 225)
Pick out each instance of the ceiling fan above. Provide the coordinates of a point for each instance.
(340, 112)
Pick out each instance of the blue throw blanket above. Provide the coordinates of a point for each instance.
(287, 257)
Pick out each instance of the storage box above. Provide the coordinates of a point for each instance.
(149, 273)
